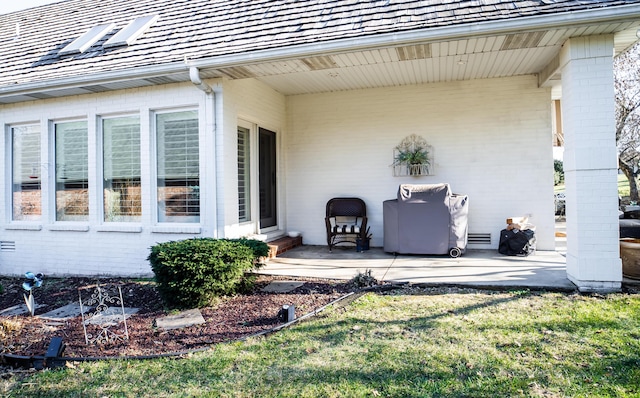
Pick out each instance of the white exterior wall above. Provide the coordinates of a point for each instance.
(94, 247)
(491, 141)
(98, 248)
(590, 164)
(256, 103)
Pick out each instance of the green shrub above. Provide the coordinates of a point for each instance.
(192, 272)
(259, 248)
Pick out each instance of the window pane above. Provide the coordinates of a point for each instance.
(72, 178)
(244, 204)
(122, 189)
(178, 167)
(26, 178)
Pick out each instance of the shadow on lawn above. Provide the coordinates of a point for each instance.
(500, 370)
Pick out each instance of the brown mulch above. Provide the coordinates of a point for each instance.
(229, 319)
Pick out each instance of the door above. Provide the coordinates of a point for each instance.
(267, 178)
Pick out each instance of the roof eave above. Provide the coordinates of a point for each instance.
(593, 16)
(122, 75)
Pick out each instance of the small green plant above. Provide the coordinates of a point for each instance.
(412, 156)
(523, 292)
(191, 273)
(365, 279)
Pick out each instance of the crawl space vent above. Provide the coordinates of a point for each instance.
(7, 246)
(479, 239)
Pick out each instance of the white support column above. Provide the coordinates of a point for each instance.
(590, 164)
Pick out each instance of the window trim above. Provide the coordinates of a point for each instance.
(100, 165)
(9, 170)
(53, 172)
(249, 213)
(163, 226)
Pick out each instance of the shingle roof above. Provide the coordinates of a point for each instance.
(209, 28)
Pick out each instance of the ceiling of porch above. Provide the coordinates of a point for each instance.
(468, 58)
(464, 59)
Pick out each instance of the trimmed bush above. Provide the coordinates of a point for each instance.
(191, 273)
(259, 248)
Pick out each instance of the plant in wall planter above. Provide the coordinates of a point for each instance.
(413, 154)
(413, 159)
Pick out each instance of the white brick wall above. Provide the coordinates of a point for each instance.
(257, 104)
(491, 140)
(56, 252)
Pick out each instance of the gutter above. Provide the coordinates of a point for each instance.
(626, 13)
(123, 75)
(194, 75)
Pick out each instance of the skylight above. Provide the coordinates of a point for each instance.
(131, 32)
(82, 43)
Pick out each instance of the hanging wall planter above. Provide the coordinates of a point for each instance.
(412, 157)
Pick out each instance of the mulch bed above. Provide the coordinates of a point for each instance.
(229, 319)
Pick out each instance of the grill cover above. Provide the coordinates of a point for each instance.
(425, 219)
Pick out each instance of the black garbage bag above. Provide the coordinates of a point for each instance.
(517, 242)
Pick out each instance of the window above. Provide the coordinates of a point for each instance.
(178, 167)
(72, 179)
(88, 39)
(131, 32)
(26, 173)
(244, 181)
(121, 169)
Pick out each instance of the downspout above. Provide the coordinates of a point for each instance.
(210, 141)
(194, 75)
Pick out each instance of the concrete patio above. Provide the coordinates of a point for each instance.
(478, 268)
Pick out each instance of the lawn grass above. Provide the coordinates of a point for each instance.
(409, 343)
(623, 186)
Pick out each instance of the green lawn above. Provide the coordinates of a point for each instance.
(623, 186)
(411, 343)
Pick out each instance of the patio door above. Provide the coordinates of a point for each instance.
(267, 179)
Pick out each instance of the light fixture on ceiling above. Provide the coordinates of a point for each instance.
(462, 61)
(334, 74)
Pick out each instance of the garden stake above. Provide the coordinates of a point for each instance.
(32, 281)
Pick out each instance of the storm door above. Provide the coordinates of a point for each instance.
(267, 178)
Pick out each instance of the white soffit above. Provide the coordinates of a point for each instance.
(131, 32)
(82, 43)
